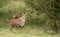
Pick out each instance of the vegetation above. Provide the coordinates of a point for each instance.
(42, 16)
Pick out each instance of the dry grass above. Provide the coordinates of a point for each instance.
(25, 32)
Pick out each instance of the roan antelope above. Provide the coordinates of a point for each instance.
(18, 22)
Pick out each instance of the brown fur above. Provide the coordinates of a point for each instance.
(18, 21)
(14, 22)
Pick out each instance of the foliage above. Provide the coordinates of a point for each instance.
(50, 7)
(40, 13)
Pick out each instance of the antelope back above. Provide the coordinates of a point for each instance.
(14, 22)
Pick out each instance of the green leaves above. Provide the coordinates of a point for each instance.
(3, 3)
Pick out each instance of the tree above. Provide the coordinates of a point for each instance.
(3, 3)
(50, 7)
(56, 14)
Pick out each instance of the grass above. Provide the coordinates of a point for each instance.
(8, 33)
(27, 31)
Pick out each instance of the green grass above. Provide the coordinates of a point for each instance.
(27, 31)
(8, 33)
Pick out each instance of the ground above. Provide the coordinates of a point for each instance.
(25, 32)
